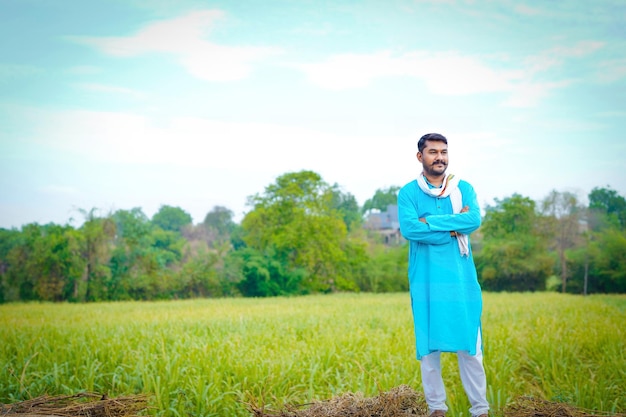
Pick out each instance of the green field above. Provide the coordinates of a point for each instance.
(210, 357)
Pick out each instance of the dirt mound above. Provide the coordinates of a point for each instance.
(403, 401)
(83, 404)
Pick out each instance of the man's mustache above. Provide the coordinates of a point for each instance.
(439, 162)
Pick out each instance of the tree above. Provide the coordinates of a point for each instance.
(296, 222)
(263, 275)
(199, 276)
(9, 239)
(45, 263)
(219, 224)
(17, 283)
(133, 266)
(98, 235)
(171, 218)
(220, 219)
(597, 262)
(607, 208)
(609, 264)
(384, 270)
(514, 253)
(383, 198)
(347, 206)
(562, 222)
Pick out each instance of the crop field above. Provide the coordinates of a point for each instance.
(212, 357)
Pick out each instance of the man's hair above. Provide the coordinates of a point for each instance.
(421, 144)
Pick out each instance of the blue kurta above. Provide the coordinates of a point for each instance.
(445, 294)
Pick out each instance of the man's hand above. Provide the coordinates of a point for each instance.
(463, 210)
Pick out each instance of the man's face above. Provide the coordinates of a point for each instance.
(434, 158)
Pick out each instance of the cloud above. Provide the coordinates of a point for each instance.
(184, 37)
(528, 11)
(444, 73)
(449, 74)
(556, 57)
(135, 139)
(581, 49)
(611, 70)
(528, 94)
(252, 149)
(455, 74)
(162, 36)
(348, 71)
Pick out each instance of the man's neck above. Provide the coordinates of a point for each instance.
(436, 181)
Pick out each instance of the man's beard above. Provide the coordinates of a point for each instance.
(435, 170)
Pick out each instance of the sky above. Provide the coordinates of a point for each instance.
(117, 104)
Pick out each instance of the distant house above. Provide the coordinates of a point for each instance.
(386, 224)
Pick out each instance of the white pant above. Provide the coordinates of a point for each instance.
(472, 376)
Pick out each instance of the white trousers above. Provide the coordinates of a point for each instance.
(472, 376)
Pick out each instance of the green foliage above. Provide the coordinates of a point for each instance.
(304, 236)
(170, 218)
(199, 277)
(220, 219)
(8, 240)
(603, 259)
(18, 283)
(168, 247)
(296, 221)
(514, 265)
(598, 263)
(265, 276)
(510, 216)
(562, 226)
(347, 206)
(383, 197)
(142, 255)
(608, 207)
(44, 264)
(99, 234)
(386, 269)
(610, 262)
(513, 256)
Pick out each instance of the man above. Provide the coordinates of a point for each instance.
(437, 212)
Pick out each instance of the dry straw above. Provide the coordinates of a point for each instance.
(403, 401)
(531, 407)
(82, 404)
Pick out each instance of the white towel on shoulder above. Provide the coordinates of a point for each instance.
(450, 189)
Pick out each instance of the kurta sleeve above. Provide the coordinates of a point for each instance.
(465, 223)
(410, 226)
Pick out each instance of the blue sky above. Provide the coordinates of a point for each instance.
(139, 103)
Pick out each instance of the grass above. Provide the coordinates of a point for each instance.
(210, 357)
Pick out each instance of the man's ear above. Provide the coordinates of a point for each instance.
(419, 156)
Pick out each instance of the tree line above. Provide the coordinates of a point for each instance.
(301, 236)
